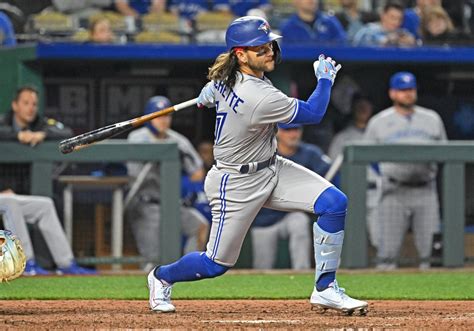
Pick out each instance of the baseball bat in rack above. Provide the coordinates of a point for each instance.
(86, 139)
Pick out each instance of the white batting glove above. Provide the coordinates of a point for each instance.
(326, 68)
(206, 97)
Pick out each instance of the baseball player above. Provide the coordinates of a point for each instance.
(409, 193)
(248, 175)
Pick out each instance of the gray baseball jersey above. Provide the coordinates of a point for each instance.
(409, 193)
(246, 118)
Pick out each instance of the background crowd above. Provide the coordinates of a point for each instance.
(349, 22)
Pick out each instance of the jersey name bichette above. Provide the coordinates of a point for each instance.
(246, 118)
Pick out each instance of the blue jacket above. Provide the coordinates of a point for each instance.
(326, 29)
(309, 156)
(240, 7)
(7, 34)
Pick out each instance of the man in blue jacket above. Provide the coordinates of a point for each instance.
(309, 25)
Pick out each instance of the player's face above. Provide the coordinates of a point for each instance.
(289, 137)
(162, 123)
(256, 60)
(404, 98)
(26, 107)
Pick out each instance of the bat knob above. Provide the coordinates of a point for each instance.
(65, 147)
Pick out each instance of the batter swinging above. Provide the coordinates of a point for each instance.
(248, 176)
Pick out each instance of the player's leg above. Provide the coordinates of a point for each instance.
(196, 229)
(295, 227)
(145, 225)
(393, 223)
(264, 245)
(41, 210)
(426, 222)
(15, 222)
(235, 200)
(302, 190)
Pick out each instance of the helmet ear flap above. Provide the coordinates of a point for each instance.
(276, 52)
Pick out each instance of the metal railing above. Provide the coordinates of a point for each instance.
(453, 155)
(42, 159)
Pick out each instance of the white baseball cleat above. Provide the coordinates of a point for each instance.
(160, 295)
(334, 298)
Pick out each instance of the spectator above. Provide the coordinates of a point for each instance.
(409, 194)
(388, 31)
(412, 16)
(7, 34)
(310, 25)
(188, 9)
(20, 210)
(244, 7)
(437, 28)
(23, 123)
(100, 31)
(135, 8)
(352, 18)
(362, 110)
(271, 225)
(144, 208)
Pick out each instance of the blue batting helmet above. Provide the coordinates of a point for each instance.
(403, 80)
(249, 31)
(156, 103)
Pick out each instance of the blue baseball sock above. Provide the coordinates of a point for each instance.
(192, 266)
(331, 206)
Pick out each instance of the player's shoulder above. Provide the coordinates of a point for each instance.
(426, 112)
(383, 115)
(140, 134)
(310, 149)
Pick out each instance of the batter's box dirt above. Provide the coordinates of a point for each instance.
(234, 314)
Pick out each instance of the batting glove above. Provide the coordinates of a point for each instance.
(326, 68)
(206, 97)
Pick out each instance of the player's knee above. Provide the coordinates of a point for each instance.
(212, 269)
(331, 201)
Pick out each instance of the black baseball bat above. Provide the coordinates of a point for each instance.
(86, 139)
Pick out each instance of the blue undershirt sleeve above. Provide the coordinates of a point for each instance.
(313, 110)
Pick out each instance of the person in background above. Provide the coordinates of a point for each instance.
(412, 16)
(23, 123)
(205, 150)
(100, 31)
(144, 208)
(409, 195)
(271, 225)
(353, 18)
(310, 25)
(244, 7)
(7, 34)
(387, 32)
(18, 211)
(136, 8)
(438, 29)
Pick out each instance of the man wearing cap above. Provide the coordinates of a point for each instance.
(143, 212)
(409, 194)
(271, 225)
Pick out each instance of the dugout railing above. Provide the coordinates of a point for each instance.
(453, 156)
(42, 160)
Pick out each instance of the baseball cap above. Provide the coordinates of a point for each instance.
(403, 80)
(288, 126)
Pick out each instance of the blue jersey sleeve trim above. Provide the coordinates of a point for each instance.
(313, 110)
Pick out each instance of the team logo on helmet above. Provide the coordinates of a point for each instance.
(264, 27)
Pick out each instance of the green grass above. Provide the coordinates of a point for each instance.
(371, 286)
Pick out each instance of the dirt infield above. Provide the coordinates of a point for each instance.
(235, 314)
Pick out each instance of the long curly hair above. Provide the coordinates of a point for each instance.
(225, 69)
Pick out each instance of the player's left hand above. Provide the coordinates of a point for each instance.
(206, 97)
(326, 68)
